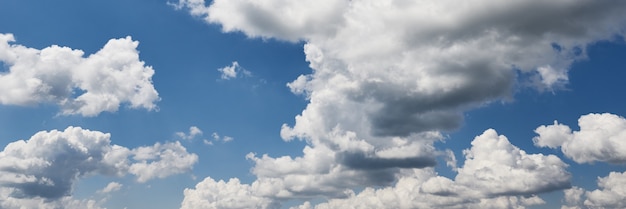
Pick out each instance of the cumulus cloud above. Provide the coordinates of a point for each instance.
(407, 67)
(331, 169)
(87, 86)
(9, 202)
(193, 132)
(47, 165)
(496, 174)
(496, 167)
(424, 190)
(232, 71)
(602, 137)
(389, 76)
(161, 160)
(210, 194)
(610, 194)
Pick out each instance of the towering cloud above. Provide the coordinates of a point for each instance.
(389, 76)
(86, 86)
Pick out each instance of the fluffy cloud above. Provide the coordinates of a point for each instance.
(47, 165)
(389, 76)
(210, 194)
(331, 169)
(9, 202)
(602, 137)
(496, 167)
(232, 71)
(611, 194)
(161, 160)
(496, 174)
(193, 132)
(224, 139)
(86, 86)
(393, 68)
(423, 190)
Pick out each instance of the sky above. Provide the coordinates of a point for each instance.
(312, 104)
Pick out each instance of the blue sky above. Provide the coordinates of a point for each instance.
(401, 104)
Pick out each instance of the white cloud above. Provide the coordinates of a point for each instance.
(46, 166)
(232, 71)
(87, 86)
(224, 139)
(496, 167)
(573, 198)
(496, 174)
(193, 132)
(161, 160)
(611, 194)
(602, 137)
(389, 76)
(111, 187)
(393, 68)
(9, 202)
(210, 194)
(420, 191)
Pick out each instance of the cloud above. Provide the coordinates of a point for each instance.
(496, 174)
(193, 132)
(161, 160)
(47, 165)
(210, 194)
(496, 167)
(394, 68)
(611, 194)
(87, 86)
(232, 71)
(602, 137)
(332, 168)
(216, 137)
(9, 202)
(389, 77)
(420, 191)
(111, 187)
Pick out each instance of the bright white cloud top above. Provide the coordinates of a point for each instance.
(79, 85)
(379, 120)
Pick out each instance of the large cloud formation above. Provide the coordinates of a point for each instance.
(44, 168)
(496, 174)
(390, 75)
(86, 86)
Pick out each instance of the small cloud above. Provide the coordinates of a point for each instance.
(233, 71)
(217, 138)
(207, 142)
(111, 187)
(227, 138)
(193, 132)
